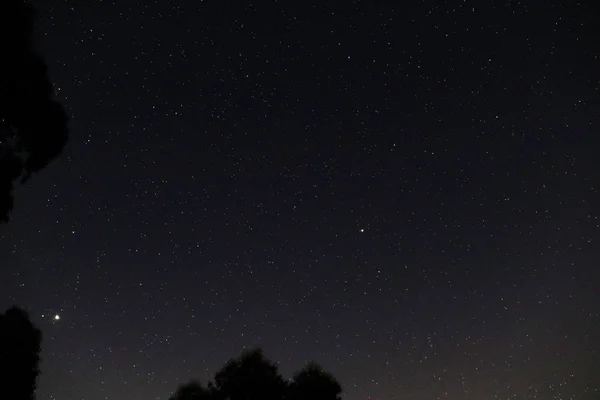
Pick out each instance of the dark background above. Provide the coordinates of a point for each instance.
(406, 193)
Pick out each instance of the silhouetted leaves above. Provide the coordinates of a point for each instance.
(33, 127)
(253, 377)
(19, 355)
(193, 390)
(314, 383)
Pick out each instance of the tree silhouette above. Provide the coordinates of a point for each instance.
(315, 384)
(250, 377)
(33, 127)
(19, 355)
(253, 377)
(193, 390)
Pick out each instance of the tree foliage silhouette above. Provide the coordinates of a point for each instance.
(253, 377)
(194, 390)
(33, 127)
(19, 355)
(314, 383)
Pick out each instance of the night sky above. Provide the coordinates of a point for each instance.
(406, 192)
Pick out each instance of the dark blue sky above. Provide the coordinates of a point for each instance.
(407, 194)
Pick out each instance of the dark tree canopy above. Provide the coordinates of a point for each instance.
(33, 127)
(193, 390)
(253, 377)
(314, 383)
(19, 355)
